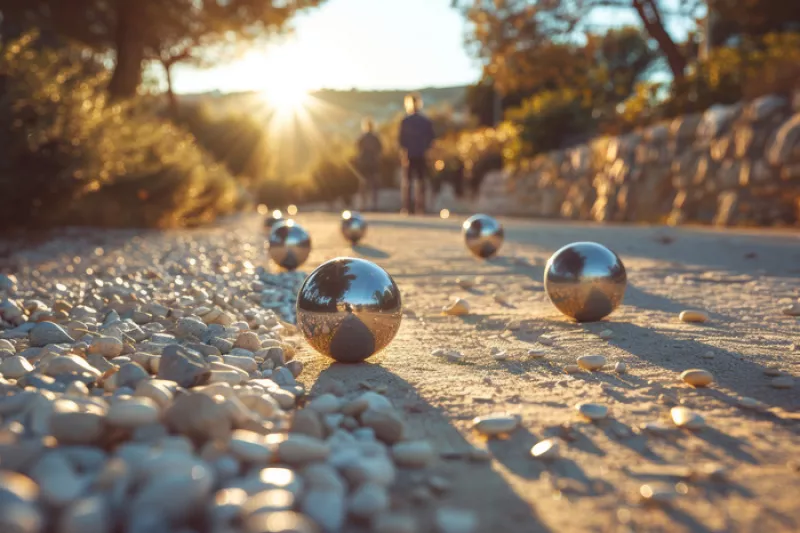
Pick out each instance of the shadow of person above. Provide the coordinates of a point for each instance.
(365, 250)
(475, 485)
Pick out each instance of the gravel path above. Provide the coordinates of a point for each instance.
(631, 471)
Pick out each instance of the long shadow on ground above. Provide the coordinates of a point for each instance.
(474, 485)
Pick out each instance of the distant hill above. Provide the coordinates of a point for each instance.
(344, 108)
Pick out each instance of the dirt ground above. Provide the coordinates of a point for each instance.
(741, 278)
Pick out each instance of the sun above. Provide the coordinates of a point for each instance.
(286, 94)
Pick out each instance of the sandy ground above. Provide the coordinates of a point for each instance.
(741, 278)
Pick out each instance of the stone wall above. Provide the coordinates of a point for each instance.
(732, 165)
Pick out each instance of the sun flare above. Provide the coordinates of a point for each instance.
(286, 95)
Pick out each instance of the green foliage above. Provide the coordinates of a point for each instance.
(551, 120)
(68, 157)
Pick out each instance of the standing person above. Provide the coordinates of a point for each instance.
(370, 149)
(416, 138)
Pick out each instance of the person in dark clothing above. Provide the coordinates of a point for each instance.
(370, 149)
(416, 138)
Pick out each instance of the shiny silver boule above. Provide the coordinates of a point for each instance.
(289, 244)
(483, 235)
(349, 309)
(272, 218)
(353, 226)
(585, 281)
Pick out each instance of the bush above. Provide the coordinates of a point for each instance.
(551, 120)
(69, 157)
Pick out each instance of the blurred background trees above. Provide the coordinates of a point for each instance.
(83, 139)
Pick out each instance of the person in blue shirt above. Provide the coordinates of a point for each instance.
(416, 138)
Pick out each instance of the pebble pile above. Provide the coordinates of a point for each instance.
(165, 399)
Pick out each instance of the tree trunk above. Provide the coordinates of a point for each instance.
(129, 44)
(653, 23)
(172, 99)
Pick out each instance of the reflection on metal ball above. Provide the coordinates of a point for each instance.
(349, 309)
(289, 244)
(585, 281)
(272, 218)
(353, 226)
(483, 235)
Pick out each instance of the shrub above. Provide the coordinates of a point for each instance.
(69, 157)
(550, 120)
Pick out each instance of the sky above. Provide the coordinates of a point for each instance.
(364, 44)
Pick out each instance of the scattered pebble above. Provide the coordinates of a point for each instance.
(465, 283)
(591, 362)
(413, 454)
(693, 317)
(546, 449)
(592, 411)
(496, 424)
(620, 367)
(772, 371)
(459, 307)
(792, 310)
(658, 493)
(498, 354)
(606, 334)
(683, 417)
(536, 354)
(697, 377)
(751, 403)
(572, 369)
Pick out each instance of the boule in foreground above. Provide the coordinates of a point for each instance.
(349, 309)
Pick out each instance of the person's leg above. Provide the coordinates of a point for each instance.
(405, 188)
(420, 185)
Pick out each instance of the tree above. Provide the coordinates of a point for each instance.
(504, 30)
(168, 31)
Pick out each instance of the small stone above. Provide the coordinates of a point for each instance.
(368, 500)
(449, 520)
(693, 317)
(658, 493)
(307, 422)
(499, 355)
(108, 347)
(708, 355)
(439, 484)
(45, 333)
(77, 428)
(325, 404)
(458, 307)
(572, 369)
(250, 446)
(70, 364)
(606, 334)
(683, 417)
(495, 424)
(326, 508)
(592, 411)
(782, 382)
(697, 377)
(792, 310)
(130, 375)
(546, 341)
(387, 424)
(772, 371)
(657, 427)
(248, 340)
(546, 449)
(184, 366)
(751, 403)
(413, 454)
(15, 367)
(297, 448)
(133, 412)
(620, 367)
(591, 362)
(536, 354)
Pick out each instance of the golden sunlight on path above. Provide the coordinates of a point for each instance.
(631, 470)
